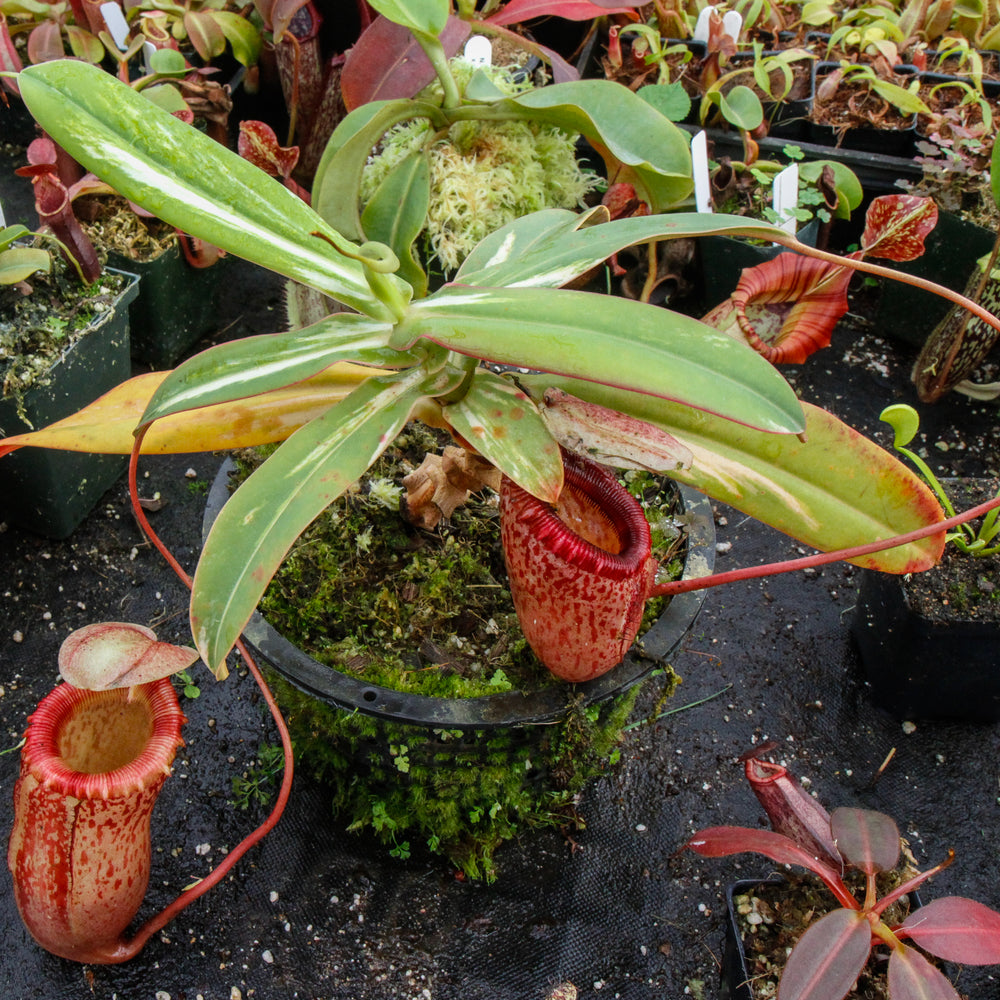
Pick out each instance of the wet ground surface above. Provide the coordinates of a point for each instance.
(316, 912)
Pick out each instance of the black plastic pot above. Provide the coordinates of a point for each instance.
(899, 142)
(175, 308)
(51, 492)
(734, 976)
(952, 249)
(503, 710)
(991, 88)
(919, 669)
(786, 119)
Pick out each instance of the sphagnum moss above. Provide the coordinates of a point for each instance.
(484, 175)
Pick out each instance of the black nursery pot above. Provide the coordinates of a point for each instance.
(899, 142)
(527, 710)
(735, 974)
(175, 308)
(920, 669)
(788, 118)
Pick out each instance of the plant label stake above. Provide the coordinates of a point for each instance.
(785, 197)
(117, 25)
(478, 51)
(732, 24)
(699, 167)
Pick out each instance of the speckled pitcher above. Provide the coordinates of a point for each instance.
(580, 570)
(92, 766)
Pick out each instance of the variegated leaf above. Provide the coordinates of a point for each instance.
(500, 422)
(262, 519)
(896, 226)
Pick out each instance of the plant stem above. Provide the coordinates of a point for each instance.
(129, 949)
(885, 272)
(434, 51)
(680, 708)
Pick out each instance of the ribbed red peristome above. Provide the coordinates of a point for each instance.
(92, 766)
(579, 571)
(155, 703)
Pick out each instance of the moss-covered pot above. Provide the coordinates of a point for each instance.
(466, 773)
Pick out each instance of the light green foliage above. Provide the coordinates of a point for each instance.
(967, 538)
(432, 343)
(190, 689)
(19, 262)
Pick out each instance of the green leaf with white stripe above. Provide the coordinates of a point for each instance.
(262, 519)
(190, 181)
(253, 365)
(609, 340)
(554, 246)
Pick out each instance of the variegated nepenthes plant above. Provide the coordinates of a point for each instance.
(669, 392)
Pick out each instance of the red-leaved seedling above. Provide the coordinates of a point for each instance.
(828, 958)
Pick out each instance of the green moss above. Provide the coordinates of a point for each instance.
(461, 794)
(40, 319)
(429, 612)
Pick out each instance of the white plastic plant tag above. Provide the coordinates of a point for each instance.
(3, 221)
(700, 33)
(699, 166)
(479, 51)
(732, 24)
(148, 51)
(117, 25)
(785, 197)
